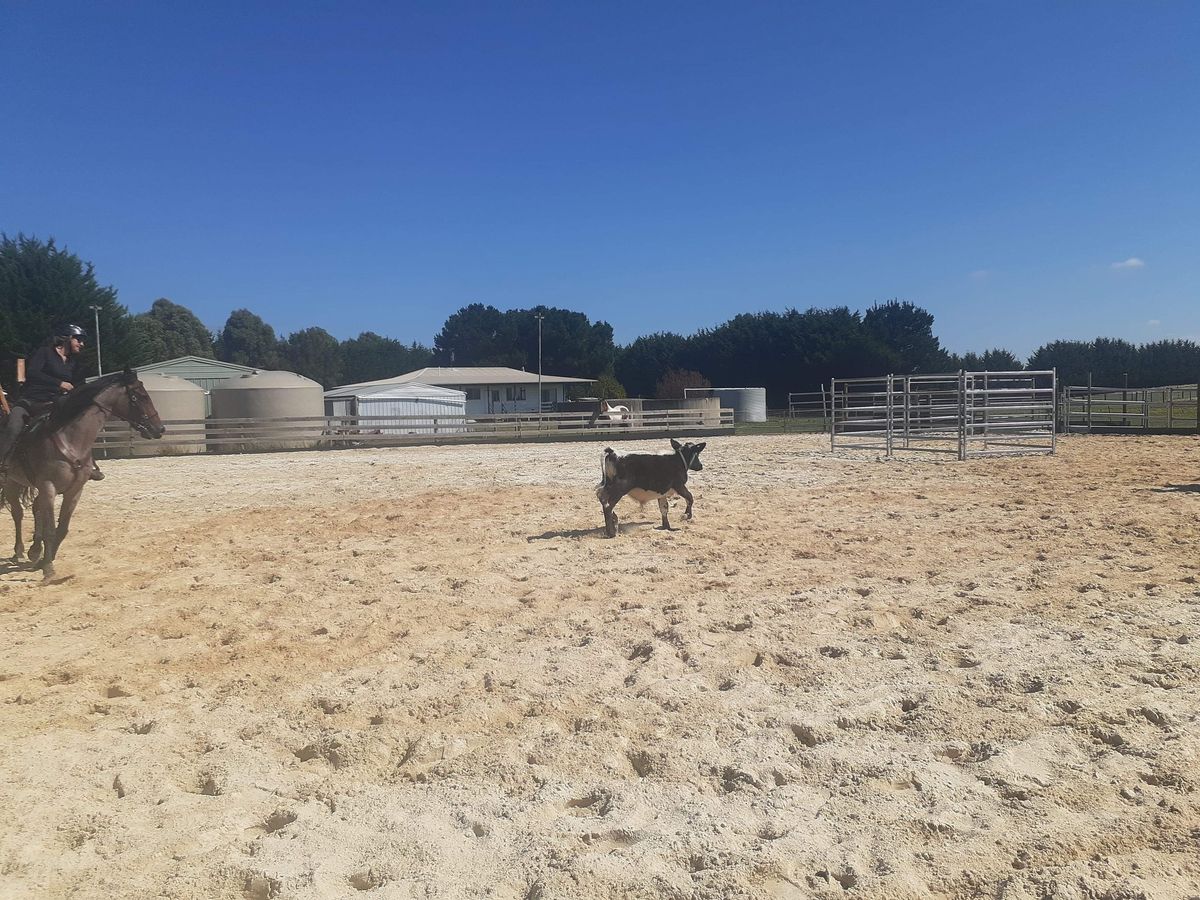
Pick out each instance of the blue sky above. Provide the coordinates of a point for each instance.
(1025, 171)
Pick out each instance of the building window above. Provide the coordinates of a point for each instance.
(514, 393)
(472, 393)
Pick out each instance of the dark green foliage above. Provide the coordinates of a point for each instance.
(608, 388)
(906, 331)
(674, 383)
(42, 285)
(640, 365)
(249, 341)
(479, 335)
(316, 354)
(1167, 362)
(995, 360)
(167, 331)
(371, 357)
(1117, 363)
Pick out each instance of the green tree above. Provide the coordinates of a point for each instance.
(674, 382)
(248, 341)
(168, 330)
(608, 388)
(1072, 359)
(372, 357)
(995, 360)
(43, 285)
(906, 331)
(643, 363)
(571, 343)
(316, 354)
(478, 335)
(1163, 363)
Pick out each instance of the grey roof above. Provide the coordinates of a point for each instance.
(410, 390)
(451, 375)
(185, 366)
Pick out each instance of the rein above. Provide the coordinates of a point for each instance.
(60, 442)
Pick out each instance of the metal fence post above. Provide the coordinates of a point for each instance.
(962, 414)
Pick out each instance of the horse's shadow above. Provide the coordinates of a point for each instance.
(1178, 489)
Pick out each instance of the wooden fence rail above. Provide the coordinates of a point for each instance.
(227, 435)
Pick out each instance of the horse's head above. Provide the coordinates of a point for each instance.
(138, 409)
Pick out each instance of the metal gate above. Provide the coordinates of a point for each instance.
(969, 414)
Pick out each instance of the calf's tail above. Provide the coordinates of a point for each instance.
(609, 464)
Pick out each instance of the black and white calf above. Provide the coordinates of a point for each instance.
(645, 477)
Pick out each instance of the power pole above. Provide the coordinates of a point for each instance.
(99, 364)
(539, 399)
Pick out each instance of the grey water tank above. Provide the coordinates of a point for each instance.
(749, 404)
(266, 397)
(180, 406)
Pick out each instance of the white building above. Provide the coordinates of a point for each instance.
(399, 408)
(489, 390)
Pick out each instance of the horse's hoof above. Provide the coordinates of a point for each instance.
(47, 574)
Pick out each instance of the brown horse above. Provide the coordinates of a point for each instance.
(55, 457)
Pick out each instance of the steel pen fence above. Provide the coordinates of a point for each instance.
(969, 414)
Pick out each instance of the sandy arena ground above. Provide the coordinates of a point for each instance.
(424, 673)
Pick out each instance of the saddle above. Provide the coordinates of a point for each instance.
(39, 417)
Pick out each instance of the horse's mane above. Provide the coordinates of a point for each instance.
(73, 405)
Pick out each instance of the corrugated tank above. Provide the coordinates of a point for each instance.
(265, 398)
(749, 404)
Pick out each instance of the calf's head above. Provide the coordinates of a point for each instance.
(689, 453)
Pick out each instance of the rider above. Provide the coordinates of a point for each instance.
(50, 372)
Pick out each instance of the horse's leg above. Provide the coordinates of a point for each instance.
(36, 548)
(43, 517)
(70, 501)
(12, 496)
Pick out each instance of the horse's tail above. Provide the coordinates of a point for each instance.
(24, 496)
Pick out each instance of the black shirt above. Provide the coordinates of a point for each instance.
(44, 372)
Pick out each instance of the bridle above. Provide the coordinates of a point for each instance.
(142, 424)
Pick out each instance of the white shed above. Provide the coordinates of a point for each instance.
(391, 408)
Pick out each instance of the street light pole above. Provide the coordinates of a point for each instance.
(99, 365)
(539, 318)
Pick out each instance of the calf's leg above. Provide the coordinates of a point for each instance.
(662, 508)
(686, 495)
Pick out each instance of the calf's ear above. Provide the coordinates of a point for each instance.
(674, 444)
(701, 446)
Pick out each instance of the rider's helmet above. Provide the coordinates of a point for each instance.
(65, 332)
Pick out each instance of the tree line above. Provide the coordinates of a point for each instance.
(42, 285)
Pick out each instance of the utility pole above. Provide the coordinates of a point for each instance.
(539, 399)
(99, 365)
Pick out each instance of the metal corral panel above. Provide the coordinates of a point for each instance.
(261, 396)
(749, 404)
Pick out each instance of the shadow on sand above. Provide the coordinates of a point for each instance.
(622, 528)
(1178, 489)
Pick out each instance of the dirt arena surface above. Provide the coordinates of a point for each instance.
(425, 673)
